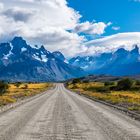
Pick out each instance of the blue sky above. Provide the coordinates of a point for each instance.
(122, 13)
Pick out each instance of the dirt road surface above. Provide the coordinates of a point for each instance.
(60, 114)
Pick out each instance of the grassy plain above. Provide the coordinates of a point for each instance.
(20, 91)
(129, 99)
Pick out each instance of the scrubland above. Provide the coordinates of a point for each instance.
(20, 91)
(110, 92)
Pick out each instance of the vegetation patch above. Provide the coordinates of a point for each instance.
(11, 93)
(124, 93)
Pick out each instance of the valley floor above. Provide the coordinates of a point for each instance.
(60, 114)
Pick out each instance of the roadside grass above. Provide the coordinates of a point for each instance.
(129, 99)
(15, 93)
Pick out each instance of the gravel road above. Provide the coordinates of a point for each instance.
(60, 114)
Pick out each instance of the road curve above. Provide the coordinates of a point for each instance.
(60, 114)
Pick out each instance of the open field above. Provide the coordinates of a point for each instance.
(129, 99)
(19, 91)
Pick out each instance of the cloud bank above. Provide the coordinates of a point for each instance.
(112, 43)
(49, 22)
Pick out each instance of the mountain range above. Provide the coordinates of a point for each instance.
(119, 63)
(21, 62)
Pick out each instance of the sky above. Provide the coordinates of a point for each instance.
(124, 14)
(74, 27)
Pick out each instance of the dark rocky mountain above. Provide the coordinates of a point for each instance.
(59, 55)
(119, 63)
(21, 62)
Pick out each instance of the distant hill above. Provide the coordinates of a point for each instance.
(98, 78)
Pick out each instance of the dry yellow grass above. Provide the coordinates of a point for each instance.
(85, 85)
(128, 99)
(30, 86)
(15, 93)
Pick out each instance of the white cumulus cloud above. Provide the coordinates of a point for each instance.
(92, 28)
(116, 28)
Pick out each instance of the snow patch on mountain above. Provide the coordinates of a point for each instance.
(9, 53)
(36, 57)
(77, 60)
(44, 58)
(23, 49)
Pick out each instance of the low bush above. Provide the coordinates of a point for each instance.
(3, 87)
(98, 89)
(74, 81)
(113, 88)
(109, 83)
(17, 84)
(125, 84)
(137, 83)
(103, 90)
(86, 81)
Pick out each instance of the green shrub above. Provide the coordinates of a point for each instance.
(17, 84)
(137, 83)
(103, 89)
(74, 81)
(125, 84)
(3, 87)
(98, 89)
(113, 88)
(86, 81)
(109, 83)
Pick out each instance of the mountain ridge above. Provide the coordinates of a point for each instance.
(21, 62)
(119, 63)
